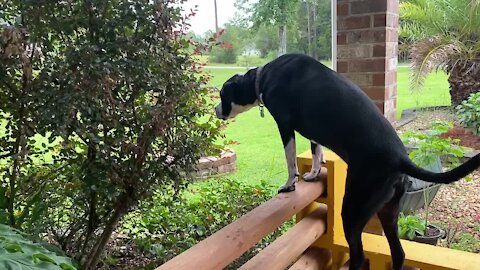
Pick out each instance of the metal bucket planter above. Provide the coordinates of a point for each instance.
(414, 200)
(420, 192)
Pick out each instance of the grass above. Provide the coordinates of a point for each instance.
(260, 154)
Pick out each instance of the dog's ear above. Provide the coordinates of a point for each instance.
(234, 78)
(231, 84)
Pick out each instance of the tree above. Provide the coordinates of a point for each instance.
(279, 13)
(444, 35)
(314, 27)
(232, 41)
(116, 82)
(266, 40)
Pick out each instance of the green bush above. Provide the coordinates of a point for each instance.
(18, 252)
(223, 55)
(171, 223)
(116, 81)
(469, 112)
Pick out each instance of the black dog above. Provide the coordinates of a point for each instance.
(305, 96)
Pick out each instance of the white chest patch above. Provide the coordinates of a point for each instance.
(238, 109)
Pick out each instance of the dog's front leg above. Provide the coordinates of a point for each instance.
(317, 160)
(288, 138)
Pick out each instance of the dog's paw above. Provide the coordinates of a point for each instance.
(287, 188)
(310, 176)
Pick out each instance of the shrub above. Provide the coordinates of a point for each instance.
(469, 113)
(171, 223)
(224, 55)
(116, 82)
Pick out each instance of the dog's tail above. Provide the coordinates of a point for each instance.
(459, 172)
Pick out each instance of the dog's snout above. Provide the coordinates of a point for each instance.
(218, 112)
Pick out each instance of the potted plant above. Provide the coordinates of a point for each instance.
(414, 228)
(427, 150)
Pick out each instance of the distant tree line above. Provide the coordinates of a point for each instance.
(269, 28)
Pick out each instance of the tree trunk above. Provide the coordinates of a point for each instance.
(464, 79)
(282, 32)
(216, 16)
(309, 30)
(123, 204)
(315, 33)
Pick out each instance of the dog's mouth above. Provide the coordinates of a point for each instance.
(219, 112)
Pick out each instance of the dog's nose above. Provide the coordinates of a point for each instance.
(218, 112)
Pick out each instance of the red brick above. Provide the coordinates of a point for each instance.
(357, 51)
(392, 20)
(393, 6)
(342, 66)
(360, 79)
(391, 91)
(384, 79)
(392, 64)
(391, 117)
(391, 50)
(390, 104)
(341, 39)
(392, 35)
(204, 163)
(391, 77)
(342, 9)
(375, 93)
(366, 36)
(219, 162)
(370, 6)
(380, 20)
(353, 22)
(367, 65)
(380, 105)
(378, 79)
(379, 50)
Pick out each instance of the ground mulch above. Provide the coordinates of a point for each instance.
(456, 207)
(466, 137)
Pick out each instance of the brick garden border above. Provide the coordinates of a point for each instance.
(216, 166)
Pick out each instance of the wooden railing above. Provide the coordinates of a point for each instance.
(316, 241)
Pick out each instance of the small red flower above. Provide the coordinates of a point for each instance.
(226, 45)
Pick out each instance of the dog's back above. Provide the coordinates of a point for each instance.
(328, 108)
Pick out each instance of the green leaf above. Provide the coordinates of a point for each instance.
(42, 257)
(67, 266)
(13, 248)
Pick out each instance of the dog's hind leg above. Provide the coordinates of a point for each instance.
(388, 216)
(360, 203)
(288, 138)
(317, 160)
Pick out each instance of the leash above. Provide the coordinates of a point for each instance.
(261, 104)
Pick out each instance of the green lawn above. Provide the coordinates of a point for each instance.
(258, 146)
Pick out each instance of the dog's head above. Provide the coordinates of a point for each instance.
(237, 95)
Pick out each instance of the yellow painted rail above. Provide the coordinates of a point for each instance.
(317, 240)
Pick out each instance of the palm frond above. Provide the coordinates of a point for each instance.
(431, 54)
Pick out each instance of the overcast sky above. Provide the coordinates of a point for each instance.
(205, 18)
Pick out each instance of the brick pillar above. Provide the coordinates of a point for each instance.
(367, 45)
